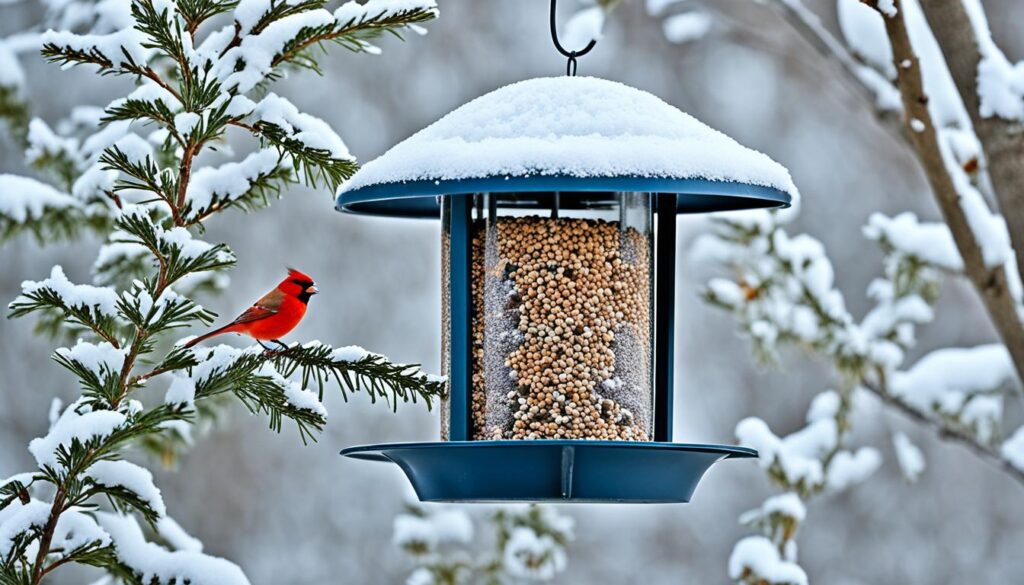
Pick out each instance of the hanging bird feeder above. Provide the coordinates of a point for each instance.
(558, 200)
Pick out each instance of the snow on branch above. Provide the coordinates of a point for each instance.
(1000, 82)
(28, 205)
(963, 386)
(529, 544)
(151, 563)
(755, 561)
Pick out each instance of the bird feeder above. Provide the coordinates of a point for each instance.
(558, 200)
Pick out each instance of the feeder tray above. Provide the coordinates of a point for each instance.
(552, 471)
(556, 165)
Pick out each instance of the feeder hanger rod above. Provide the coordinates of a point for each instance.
(570, 67)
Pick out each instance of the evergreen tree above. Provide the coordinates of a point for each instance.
(129, 173)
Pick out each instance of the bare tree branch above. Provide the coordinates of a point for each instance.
(1001, 140)
(946, 431)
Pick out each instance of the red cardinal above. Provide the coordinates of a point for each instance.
(274, 315)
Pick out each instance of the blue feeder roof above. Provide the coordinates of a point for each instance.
(577, 135)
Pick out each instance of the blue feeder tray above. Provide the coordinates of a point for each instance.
(552, 470)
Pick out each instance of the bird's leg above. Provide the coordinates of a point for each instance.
(283, 345)
(266, 349)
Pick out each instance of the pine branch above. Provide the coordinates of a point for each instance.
(15, 111)
(54, 224)
(372, 372)
(196, 12)
(56, 313)
(263, 188)
(315, 165)
(353, 34)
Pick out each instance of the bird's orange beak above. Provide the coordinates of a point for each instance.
(312, 289)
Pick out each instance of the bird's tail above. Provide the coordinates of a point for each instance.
(225, 329)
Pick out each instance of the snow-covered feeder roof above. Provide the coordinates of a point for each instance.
(567, 134)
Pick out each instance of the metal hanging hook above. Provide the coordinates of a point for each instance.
(570, 67)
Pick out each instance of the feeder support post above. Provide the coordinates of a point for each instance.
(461, 310)
(664, 314)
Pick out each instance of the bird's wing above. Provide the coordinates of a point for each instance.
(263, 308)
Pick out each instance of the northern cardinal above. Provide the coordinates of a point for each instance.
(274, 315)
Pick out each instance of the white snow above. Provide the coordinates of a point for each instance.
(349, 353)
(114, 252)
(131, 477)
(989, 228)
(156, 564)
(219, 358)
(849, 468)
(788, 504)
(824, 406)
(11, 73)
(256, 53)
(577, 126)
(446, 526)
(23, 478)
(530, 556)
(249, 12)
(44, 142)
(917, 125)
(102, 359)
(864, 31)
(230, 180)
(18, 519)
(76, 529)
(301, 398)
(758, 556)
(309, 130)
(100, 299)
(186, 122)
(959, 382)
(94, 182)
(72, 427)
(687, 26)
(175, 535)
(24, 198)
(908, 456)
(114, 46)
(726, 291)
(1013, 449)
(1000, 82)
(798, 455)
(188, 245)
(931, 242)
(887, 7)
(136, 148)
(181, 391)
(354, 12)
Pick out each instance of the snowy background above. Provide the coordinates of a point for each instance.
(293, 514)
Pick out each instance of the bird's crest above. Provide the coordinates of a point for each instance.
(300, 277)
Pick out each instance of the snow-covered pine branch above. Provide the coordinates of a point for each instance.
(148, 197)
